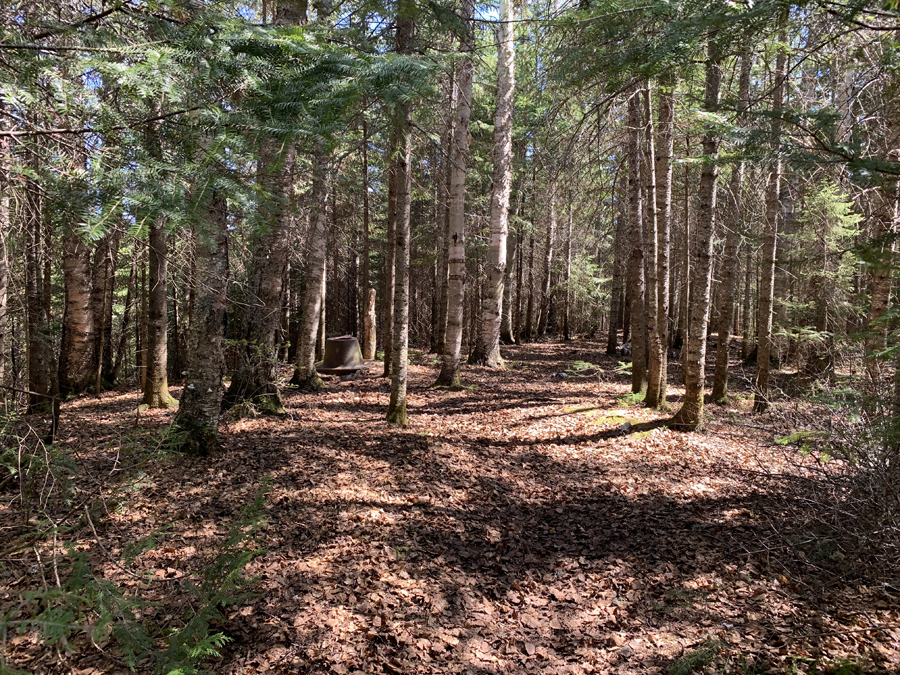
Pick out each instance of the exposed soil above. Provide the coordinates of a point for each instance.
(529, 523)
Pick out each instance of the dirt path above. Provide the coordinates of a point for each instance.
(531, 523)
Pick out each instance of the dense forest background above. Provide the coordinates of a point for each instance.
(195, 193)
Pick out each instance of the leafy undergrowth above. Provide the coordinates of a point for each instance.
(528, 523)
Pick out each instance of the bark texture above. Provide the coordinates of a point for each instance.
(729, 260)
(201, 399)
(77, 351)
(305, 374)
(690, 415)
(769, 248)
(156, 385)
(636, 282)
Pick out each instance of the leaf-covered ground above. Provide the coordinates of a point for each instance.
(529, 523)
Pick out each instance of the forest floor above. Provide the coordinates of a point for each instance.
(529, 523)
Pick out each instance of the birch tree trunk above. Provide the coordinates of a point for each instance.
(443, 218)
(201, 399)
(305, 374)
(770, 241)
(636, 256)
(456, 250)
(732, 237)
(254, 378)
(488, 350)
(690, 415)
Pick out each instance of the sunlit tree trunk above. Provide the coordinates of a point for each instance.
(197, 419)
(770, 238)
(663, 160)
(488, 350)
(729, 260)
(254, 378)
(568, 292)
(656, 348)
(690, 415)
(456, 250)
(396, 412)
(636, 256)
(305, 374)
(443, 218)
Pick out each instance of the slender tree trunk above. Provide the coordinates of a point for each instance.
(456, 250)
(443, 216)
(568, 292)
(390, 270)
(305, 374)
(529, 312)
(402, 171)
(663, 160)
(618, 285)
(690, 415)
(123, 328)
(156, 386)
(5, 226)
(636, 256)
(396, 413)
(201, 399)
(254, 379)
(488, 351)
(369, 327)
(732, 237)
(547, 271)
(38, 344)
(366, 281)
(770, 240)
(655, 320)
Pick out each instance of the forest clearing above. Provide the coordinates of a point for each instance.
(517, 525)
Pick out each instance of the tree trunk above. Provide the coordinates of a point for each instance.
(636, 256)
(402, 174)
(369, 327)
(254, 379)
(38, 341)
(456, 250)
(655, 321)
(390, 271)
(618, 284)
(305, 374)
(396, 413)
(770, 239)
(488, 350)
(729, 260)
(443, 217)
(547, 272)
(663, 161)
(156, 386)
(197, 419)
(568, 291)
(77, 351)
(690, 415)
(123, 328)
